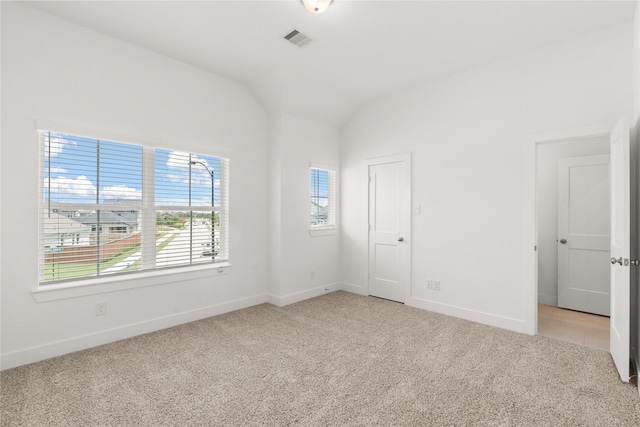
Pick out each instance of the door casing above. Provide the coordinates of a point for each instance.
(405, 264)
(530, 216)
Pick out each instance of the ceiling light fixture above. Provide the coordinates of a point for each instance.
(316, 6)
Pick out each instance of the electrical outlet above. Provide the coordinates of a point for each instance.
(101, 309)
(429, 284)
(436, 285)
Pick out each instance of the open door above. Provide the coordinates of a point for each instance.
(620, 248)
(583, 234)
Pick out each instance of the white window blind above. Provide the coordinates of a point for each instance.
(323, 198)
(191, 207)
(114, 208)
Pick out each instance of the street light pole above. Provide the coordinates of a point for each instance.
(213, 214)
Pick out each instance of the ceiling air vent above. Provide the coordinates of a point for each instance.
(297, 38)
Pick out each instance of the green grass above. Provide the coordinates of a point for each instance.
(136, 265)
(60, 271)
(162, 245)
(116, 258)
(57, 271)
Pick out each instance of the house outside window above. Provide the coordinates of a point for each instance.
(109, 208)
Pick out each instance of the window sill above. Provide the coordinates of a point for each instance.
(317, 232)
(87, 287)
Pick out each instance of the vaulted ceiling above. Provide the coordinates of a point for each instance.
(361, 50)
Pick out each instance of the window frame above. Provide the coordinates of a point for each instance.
(332, 226)
(51, 290)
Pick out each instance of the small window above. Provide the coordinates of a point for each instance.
(323, 198)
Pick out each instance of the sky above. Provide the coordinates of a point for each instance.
(73, 174)
(320, 186)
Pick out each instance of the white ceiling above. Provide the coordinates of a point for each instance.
(362, 50)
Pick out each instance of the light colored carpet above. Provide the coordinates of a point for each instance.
(339, 359)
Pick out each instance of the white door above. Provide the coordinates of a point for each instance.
(620, 248)
(389, 185)
(583, 234)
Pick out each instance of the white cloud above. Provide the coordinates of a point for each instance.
(54, 169)
(197, 178)
(178, 178)
(180, 160)
(80, 186)
(54, 145)
(199, 175)
(203, 201)
(120, 192)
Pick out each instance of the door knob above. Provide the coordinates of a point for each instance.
(563, 241)
(619, 261)
(635, 262)
(400, 239)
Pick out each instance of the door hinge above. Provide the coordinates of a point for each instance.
(535, 248)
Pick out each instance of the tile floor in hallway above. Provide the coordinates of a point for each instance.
(589, 330)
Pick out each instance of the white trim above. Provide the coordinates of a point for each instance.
(485, 318)
(530, 215)
(58, 348)
(354, 289)
(393, 158)
(106, 284)
(303, 295)
(320, 231)
(406, 262)
(148, 212)
(324, 166)
(333, 198)
(365, 225)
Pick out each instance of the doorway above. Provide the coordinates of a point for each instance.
(573, 205)
(620, 233)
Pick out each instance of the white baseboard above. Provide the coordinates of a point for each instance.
(273, 300)
(354, 289)
(47, 351)
(303, 295)
(467, 314)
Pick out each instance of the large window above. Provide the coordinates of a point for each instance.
(323, 198)
(111, 208)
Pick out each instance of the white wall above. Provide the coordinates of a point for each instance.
(296, 144)
(466, 134)
(275, 205)
(548, 155)
(57, 71)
